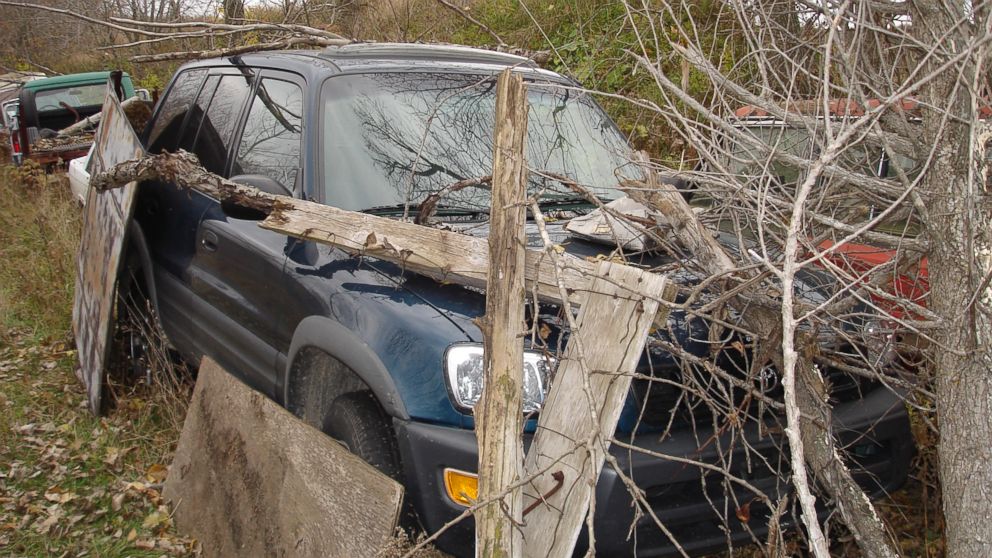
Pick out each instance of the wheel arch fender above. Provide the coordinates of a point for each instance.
(326, 335)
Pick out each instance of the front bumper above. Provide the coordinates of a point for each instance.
(689, 501)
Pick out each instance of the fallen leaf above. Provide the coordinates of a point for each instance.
(144, 544)
(113, 456)
(544, 331)
(131, 535)
(45, 526)
(117, 501)
(59, 496)
(157, 473)
(744, 512)
(157, 519)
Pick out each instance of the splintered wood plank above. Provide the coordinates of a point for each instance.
(443, 255)
(251, 479)
(497, 415)
(105, 221)
(613, 326)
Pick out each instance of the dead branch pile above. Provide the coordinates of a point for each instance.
(64, 143)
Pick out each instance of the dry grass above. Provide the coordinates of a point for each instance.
(39, 232)
(71, 484)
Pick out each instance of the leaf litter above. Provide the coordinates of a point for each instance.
(71, 483)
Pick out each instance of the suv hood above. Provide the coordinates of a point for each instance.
(463, 304)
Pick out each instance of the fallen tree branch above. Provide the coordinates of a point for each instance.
(92, 120)
(174, 37)
(246, 28)
(243, 49)
(82, 17)
(444, 255)
(821, 454)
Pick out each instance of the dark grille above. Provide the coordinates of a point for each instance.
(665, 401)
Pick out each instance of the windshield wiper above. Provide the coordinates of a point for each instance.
(564, 201)
(388, 209)
(413, 209)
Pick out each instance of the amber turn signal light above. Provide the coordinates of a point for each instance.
(462, 487)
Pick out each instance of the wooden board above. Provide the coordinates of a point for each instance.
(251, 479)
(105, 221)
(498, 427)
(612, 327)
(437, 253)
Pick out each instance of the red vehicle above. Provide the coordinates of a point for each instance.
(911, 287)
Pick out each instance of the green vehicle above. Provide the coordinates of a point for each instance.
(51, 104)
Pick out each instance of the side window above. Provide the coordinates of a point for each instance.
(164, 135)
(213, 140)
(196, 112)
(270, 143)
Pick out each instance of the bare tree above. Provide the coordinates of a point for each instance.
(953, 48)
(874, 128)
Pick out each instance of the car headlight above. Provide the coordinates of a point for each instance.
(463, 371)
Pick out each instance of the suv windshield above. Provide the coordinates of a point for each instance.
(859, 158)
(754, 168)
(392, 139)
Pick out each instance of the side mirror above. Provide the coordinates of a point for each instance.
(259, 181)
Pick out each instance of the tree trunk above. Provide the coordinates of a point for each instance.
(234, 11)
(959, 222)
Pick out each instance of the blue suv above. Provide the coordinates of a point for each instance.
(389, 362)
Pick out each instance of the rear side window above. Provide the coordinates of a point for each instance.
(270, 143)
(213, 141)
(164, 135)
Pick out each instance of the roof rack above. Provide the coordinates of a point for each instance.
(421, 51)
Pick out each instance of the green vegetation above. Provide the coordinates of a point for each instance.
(70, 483)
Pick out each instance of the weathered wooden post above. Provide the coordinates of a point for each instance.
(498, 423)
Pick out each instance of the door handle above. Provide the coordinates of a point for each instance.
(209, 241)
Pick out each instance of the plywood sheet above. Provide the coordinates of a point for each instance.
(251, 479)
(105, 222)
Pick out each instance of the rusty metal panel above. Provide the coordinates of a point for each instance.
(105, 221)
